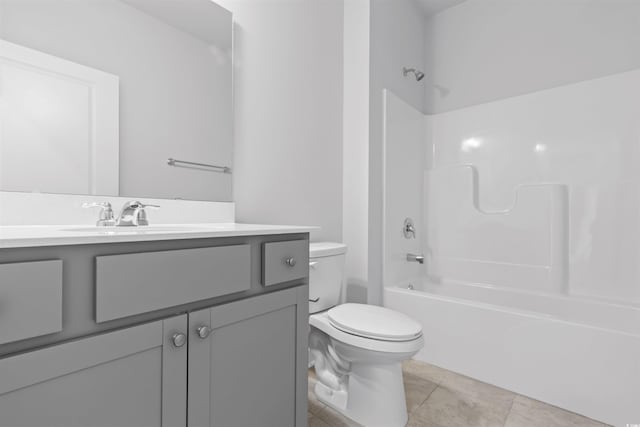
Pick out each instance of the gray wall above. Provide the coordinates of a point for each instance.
(175, 92)
(481, 51)
(355, 197)
(288, 106)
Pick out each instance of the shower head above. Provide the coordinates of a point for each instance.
(419, 75)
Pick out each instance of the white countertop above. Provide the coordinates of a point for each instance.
(58, 235)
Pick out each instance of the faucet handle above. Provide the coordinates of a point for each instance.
(143, 206)
(105, 205)
(142, 214)
(409, 229)
(106, 218)
(140, 205)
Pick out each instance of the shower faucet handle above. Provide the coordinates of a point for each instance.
(409, 229)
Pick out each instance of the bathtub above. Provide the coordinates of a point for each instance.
(575, 353)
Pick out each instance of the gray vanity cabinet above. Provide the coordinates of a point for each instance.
(131, 377)
(245, 360)
(198, 333)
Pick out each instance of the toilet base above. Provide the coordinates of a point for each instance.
(360, 377)
(374, 396)
(334, 398)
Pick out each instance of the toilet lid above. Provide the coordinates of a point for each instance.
(371, 321)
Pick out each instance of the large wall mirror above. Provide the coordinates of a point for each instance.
(96, 97)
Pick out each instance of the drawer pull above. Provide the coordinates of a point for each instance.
(291, 262)
(314, 299)
(178, 340)
(203, 331)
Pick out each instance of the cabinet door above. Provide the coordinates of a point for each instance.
(250, 370)
(131, 377)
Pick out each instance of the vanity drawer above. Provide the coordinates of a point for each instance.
(284, 261)
(30, 299)
(132, 284)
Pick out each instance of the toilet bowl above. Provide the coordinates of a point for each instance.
(357, 350)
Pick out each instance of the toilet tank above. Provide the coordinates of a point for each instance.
(326, 274)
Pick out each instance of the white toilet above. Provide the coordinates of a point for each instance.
(356, 349)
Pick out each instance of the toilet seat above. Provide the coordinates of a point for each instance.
(321, 321)
(374, 322)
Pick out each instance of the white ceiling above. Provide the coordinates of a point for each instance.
(431, 7)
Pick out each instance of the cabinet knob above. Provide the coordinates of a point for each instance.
(179, 340)
(203, 331)
(291, 262)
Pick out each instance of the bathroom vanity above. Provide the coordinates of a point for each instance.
(136, 326)
(202, 326)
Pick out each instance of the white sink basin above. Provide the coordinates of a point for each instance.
(137, 230)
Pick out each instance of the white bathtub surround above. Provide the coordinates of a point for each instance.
(62, 209)
(404, 162)
(530, 228)
(584, 136)
(476, 245)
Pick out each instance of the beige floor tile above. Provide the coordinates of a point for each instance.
(415, 422)
(527, 412)
(416, 390)
(317, 422)
(335, 419)
(425, 371)
(440, 398)
(448, 408)
(477, 391)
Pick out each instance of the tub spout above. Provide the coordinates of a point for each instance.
(415, 258)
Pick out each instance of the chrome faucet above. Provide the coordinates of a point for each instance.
(106, 218)
(415, 258)
(409, 229)
(133, 214)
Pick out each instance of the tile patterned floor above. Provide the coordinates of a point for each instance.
(441, 398)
